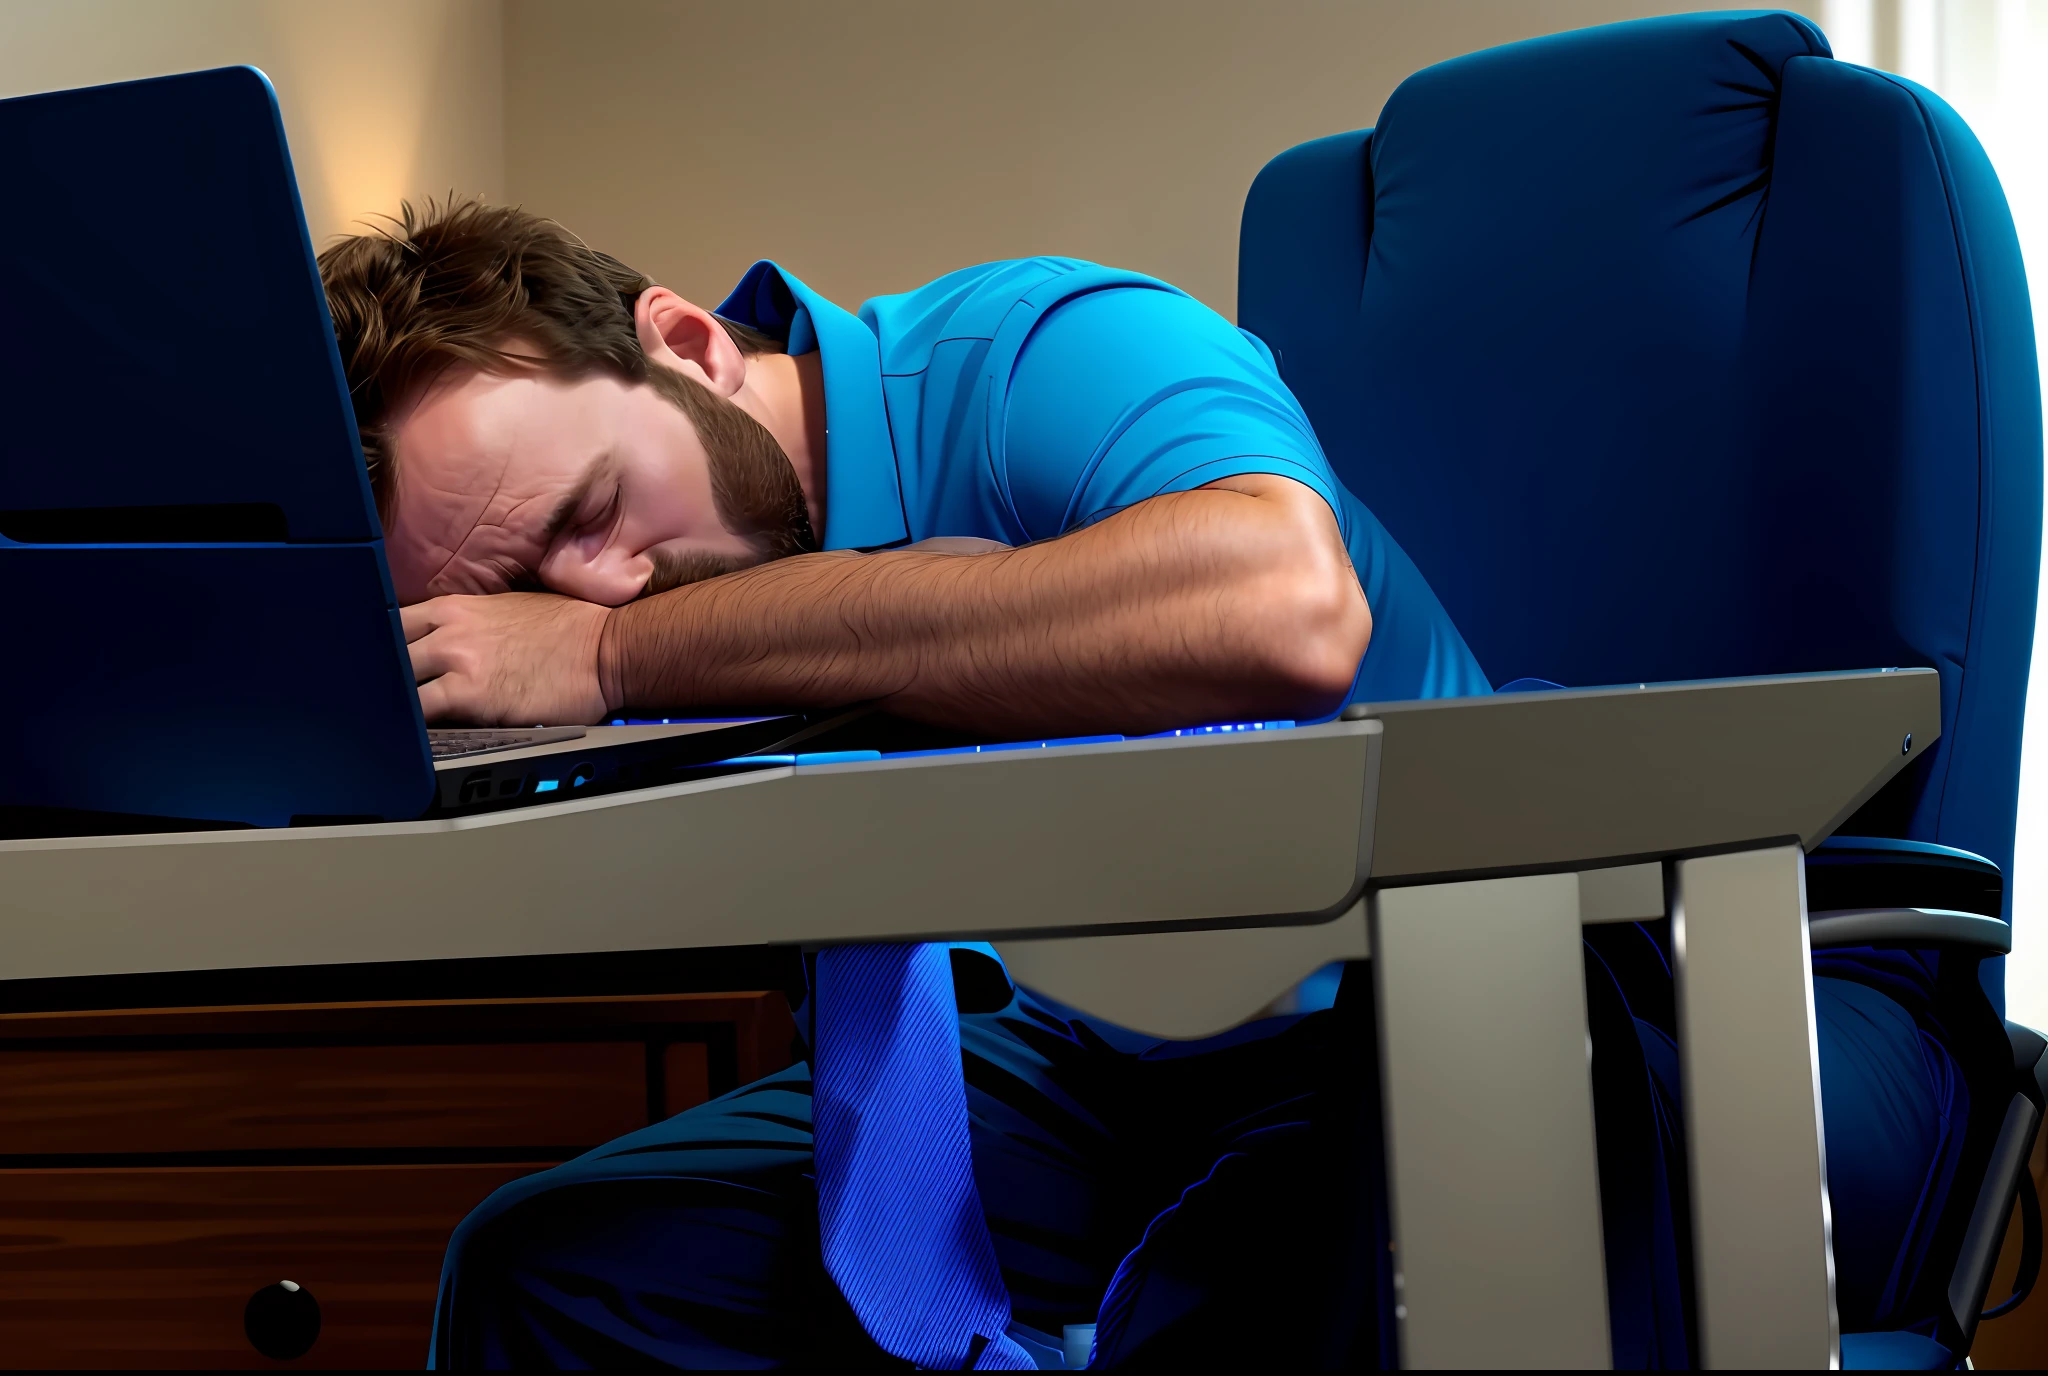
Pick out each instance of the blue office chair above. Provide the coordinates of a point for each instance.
(1676, 349)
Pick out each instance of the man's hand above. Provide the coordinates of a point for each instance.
(516, 659)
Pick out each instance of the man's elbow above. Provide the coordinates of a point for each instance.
(1312, 635)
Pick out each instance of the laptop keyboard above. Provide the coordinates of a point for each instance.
(454, 744)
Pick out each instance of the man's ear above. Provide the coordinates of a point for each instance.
(677, 334)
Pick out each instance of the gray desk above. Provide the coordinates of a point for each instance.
(1178, 886)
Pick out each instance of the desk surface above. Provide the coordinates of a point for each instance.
(1531, 781)
(1271, 827)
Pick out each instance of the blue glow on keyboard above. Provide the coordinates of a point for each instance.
(547, 785)
(852, 756)
(1233, 728)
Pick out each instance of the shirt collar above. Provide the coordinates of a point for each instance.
(863, 491)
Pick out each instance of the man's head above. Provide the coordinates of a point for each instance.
(535, 413)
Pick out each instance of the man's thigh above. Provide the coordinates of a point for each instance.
(693, 1242)
(1229, 1218)
(1084, 1132)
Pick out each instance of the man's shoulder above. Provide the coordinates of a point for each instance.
(974, 303)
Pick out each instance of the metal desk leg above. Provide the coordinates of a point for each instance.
(1763, 1263)
(1492, 1175)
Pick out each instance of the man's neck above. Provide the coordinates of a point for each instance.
(787, 395)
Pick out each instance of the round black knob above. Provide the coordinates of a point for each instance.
(282, 1320)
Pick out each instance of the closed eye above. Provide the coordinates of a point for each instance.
(605, 518)
(568, 511)
(571, 516)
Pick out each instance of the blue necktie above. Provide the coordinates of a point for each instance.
(899, 1218)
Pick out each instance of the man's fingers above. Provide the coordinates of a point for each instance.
(452, 699)
(515, 656)
(417, 620)
(424, 618)
(437, 654)
(434, 703)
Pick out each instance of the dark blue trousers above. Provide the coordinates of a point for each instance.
(1205, 1203)
(693, 1243)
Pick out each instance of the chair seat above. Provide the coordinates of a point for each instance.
(1894, 1352)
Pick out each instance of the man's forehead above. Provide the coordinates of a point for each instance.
(471, 454)
(465, 421)
(446, 460)
(488, 436)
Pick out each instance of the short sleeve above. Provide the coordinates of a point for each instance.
(1129, 393)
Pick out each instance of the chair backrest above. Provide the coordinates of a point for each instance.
(1676, 349)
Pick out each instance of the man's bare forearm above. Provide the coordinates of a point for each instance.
(1227, 602)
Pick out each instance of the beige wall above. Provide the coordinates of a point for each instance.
(871, 146)
(381, 98)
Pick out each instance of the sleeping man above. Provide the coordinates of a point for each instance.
(598, 495)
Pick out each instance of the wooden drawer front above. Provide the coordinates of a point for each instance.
(319, 1098)
(152, 1268)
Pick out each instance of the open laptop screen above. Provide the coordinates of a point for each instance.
(194, 605)
(167, 342)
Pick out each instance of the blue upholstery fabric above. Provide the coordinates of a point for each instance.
(1896, 1109)
(1676, 349)
(1894, 1352)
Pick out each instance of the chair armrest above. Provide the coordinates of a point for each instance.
(1892, 926)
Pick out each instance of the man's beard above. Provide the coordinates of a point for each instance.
(753, 487)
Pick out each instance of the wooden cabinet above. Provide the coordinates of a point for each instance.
(141, 1267)
(157, 1168)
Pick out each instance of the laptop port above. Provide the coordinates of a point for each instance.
(477, 787)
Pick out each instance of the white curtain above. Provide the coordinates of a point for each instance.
(1989, 59)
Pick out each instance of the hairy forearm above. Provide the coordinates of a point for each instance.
(1205, 605)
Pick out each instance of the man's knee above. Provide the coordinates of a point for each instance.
(680, 1243)
(692, 1272)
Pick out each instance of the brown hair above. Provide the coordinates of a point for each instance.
(459, 281)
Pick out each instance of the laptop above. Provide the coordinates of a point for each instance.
(197, 624)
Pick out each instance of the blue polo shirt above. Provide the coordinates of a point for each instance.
(1017, 401)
